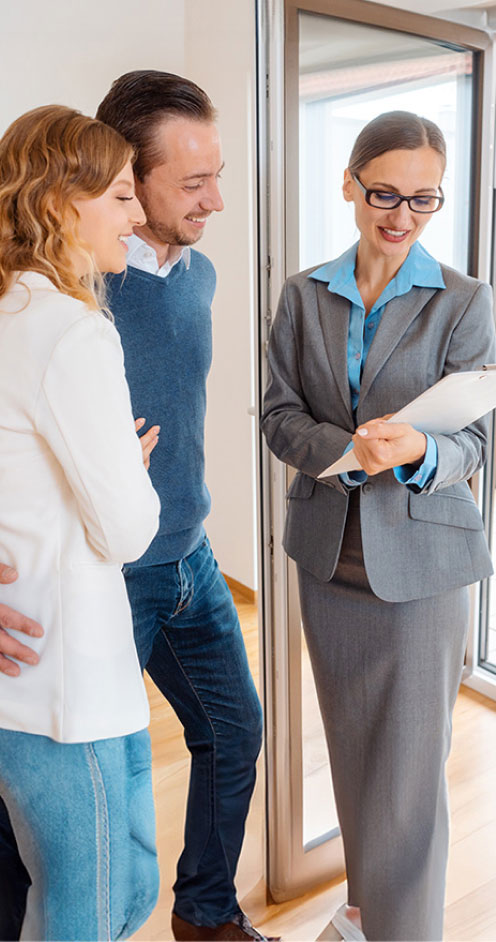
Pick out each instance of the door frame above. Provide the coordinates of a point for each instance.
(292, 869)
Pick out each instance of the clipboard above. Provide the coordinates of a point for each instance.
(451, 404)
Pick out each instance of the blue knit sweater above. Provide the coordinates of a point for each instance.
(165, 327)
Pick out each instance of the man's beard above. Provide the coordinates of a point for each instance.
(168, 235)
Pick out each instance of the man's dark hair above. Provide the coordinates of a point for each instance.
(138, 101)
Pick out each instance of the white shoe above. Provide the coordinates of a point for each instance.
(345, 926)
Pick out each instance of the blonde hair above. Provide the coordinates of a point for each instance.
(50, 157)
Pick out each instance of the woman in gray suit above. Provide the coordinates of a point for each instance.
(385, 556)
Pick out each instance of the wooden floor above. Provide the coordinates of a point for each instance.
(471, 892)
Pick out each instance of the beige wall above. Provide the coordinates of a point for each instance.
(69, 52)
(220, 56)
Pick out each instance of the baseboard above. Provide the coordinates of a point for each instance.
(249, 594)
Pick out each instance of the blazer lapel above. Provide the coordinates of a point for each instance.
(395, 321)
(334, 317)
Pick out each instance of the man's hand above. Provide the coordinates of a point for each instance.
(11, 620)
(380, 445)
(148, 440)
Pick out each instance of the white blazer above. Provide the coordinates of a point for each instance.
(75, 503)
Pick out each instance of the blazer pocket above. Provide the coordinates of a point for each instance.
(445, 509)
(301, 487)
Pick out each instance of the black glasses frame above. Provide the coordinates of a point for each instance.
(399, 199)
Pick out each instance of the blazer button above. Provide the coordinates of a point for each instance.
(367, 488)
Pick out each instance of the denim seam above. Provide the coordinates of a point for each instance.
(213, 815)
(209, 721)
(102, 843)
(183, 605)
(215, 824)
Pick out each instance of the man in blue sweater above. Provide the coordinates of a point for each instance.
(186, 626)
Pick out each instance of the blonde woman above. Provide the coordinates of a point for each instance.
(75, 502)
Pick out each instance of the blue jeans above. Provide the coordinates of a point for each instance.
(189, 639)
(83, 818)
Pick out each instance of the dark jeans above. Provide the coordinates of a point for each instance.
(14, 881)
(189, 638)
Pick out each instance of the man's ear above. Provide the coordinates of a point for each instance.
(348, 186)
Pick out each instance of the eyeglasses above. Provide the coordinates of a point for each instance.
(381, 199)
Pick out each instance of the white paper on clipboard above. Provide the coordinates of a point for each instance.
(454, 402)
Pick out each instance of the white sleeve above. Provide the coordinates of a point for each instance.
(83, 411)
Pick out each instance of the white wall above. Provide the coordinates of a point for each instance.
(220, 56)
(69, 52)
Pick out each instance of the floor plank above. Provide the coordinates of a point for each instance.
(471, 890)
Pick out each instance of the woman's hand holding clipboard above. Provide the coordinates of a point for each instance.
(451, 404)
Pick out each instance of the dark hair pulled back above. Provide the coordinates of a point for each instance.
(395, 130)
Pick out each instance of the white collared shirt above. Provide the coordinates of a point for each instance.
(143, 256)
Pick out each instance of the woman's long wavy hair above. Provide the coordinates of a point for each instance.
(50, 157)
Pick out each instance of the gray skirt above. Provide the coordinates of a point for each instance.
(387, 675)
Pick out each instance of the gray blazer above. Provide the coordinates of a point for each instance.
(414, 545)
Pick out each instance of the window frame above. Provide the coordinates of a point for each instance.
(291, 869)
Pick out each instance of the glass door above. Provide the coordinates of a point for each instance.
(480, 671)
(343, 65)
(348, 74)
(485, 649)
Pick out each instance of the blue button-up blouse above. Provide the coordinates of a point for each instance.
(419, 269)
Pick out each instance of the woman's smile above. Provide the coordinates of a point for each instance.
(394, 235)
(391, 232)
